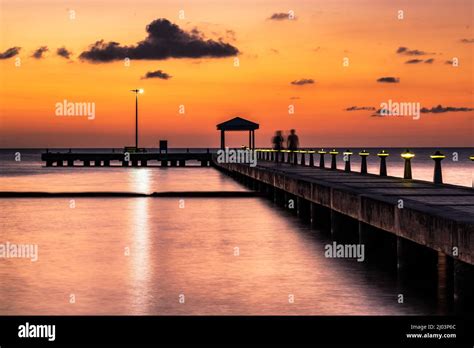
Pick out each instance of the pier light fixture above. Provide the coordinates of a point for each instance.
(407, 156)
(303, 157)
(471, 158)
(383, 163)
(137, 91)
(333, 153)
(438, 175)
(347, 158)
(363, 163)
(311, 157)
(321, 158)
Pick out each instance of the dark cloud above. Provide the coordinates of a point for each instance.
(434, 110)
(302, 82)
(281, 16)
(38, 54)
(389, 80)
(165, 40)
(11, 52)
(408, 52)
(441, 109)
(382, 113)
(450, 62)
(63, 52)
(414, 61)
(467, 41)
(417, 61)
(294, 98)
(359, 108)
(157, 74)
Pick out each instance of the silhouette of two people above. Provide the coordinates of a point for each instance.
(292, 142)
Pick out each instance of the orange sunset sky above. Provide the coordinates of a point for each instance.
(271, 52)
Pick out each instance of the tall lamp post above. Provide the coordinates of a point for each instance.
(137, 91)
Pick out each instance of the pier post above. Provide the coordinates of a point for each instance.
(295, 157)
(311, 159)
(383, 163)
(363, 161)
(321, 158)
(407, 156)
(87, 163)
(134, 163)
(182, 163)
(347, 158)
(303, 209)
(303, 158)
(70, 163)
(417, 265)
(164, 163)
(124, 163)
(97, 163)
(463, 285)
(59, 163)
(367, 239)
(333, 154)
(438, 175)
(49, 163)
(445, 284)
(106, 163)
(173, 163)
(144, 163)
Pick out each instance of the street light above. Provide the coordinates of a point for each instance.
(136, 91)
(407, 156)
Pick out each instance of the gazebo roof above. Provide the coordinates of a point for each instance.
(237, 124)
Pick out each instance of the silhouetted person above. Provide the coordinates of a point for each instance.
(293, 141)
(278, 141)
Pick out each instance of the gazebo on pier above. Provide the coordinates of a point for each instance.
(238, 124)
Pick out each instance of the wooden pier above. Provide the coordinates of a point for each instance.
(421, 224)
(124, 159)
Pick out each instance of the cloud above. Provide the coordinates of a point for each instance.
(359, 108)
(414, 61)
(11, 52)
(429, 61)
(468, 41)
(281, 16)
(383, 112)
(294, 98)
(434, 110)
(408, 52)
(157, 74)
(450, 62)
(388, 80)
(38, 54)
(302, 82)
(441, 109)
(165, 40)
(63, 52)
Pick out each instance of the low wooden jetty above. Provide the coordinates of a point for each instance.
(125, 159)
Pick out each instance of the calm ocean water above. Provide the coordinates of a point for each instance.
(193, 256)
